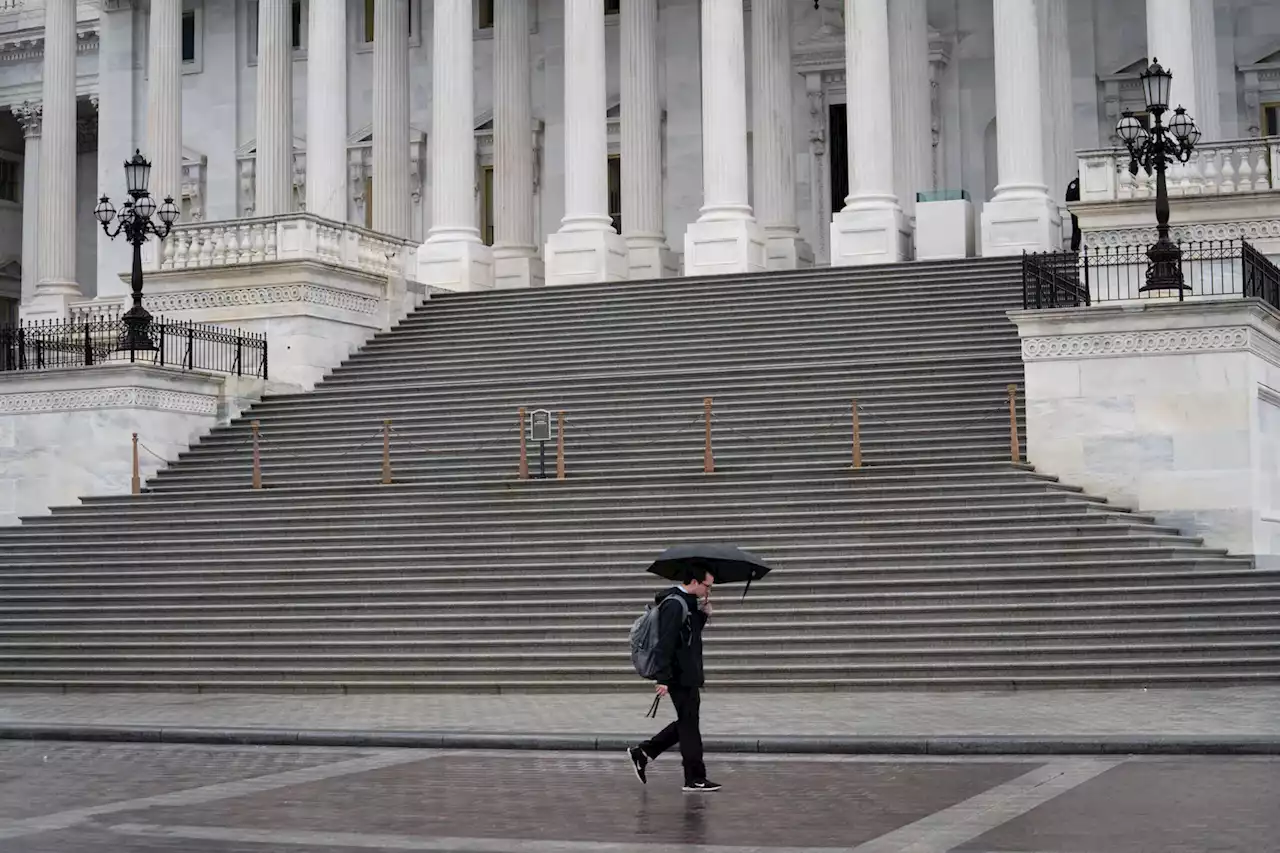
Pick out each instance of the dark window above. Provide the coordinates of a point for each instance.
(612, 7)
(486, 205)
(297, 24)
(1271, 119)
(188, 36)
(485, 14)
(295, 28)
(615, 192)
(838, 149)
(9, 180)
(368, 19)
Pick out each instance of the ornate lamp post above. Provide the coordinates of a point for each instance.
(1155, 150)
(134, 221)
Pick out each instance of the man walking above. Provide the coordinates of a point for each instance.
(680, 650)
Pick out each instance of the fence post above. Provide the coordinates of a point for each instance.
(239, 353)
(857, 437)
(257, 456)
(136, 486)
(1015, 449)
(160, 347)
(524, 448)
(88, 346)
(386, 452)
(560, 447)
(708, 458)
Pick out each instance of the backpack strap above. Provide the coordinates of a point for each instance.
(684, 606)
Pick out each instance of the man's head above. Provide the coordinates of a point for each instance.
(698, 581)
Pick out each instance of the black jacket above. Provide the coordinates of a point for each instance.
(680, 642)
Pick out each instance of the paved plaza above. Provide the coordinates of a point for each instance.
(1235, 711)
(148, 798)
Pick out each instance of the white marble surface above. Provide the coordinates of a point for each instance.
(68, 433)
(1164, 408)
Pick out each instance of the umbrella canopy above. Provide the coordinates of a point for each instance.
(726, 563)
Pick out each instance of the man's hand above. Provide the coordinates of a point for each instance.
(661, 689)
(706, 607)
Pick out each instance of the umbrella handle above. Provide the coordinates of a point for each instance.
(653, 709)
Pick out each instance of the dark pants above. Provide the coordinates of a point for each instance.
(684, 731)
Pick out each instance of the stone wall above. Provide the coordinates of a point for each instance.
(68, 433)
(1172, 409)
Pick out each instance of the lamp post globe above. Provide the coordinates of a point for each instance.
(134, 221)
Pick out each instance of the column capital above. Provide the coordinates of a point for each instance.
(30, 114)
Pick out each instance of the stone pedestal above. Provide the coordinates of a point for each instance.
(1171, 409)
(944, 229)
(650, 258)
(869, 234)
(459, 265)
(1013, 225)
(786, 250)
(517, 270)
(65, 434)
(724, 247)
(581, 257)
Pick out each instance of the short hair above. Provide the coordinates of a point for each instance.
(696, 573)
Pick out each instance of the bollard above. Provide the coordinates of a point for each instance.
(137, 479)
(524, 448)
(708, 459)
(386, 453)
(857, 437)
(1015, 449)
(560, 447)
(257, 456)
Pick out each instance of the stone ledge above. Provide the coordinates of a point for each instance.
(110, 386)
(1137, 744)
(1151, 328)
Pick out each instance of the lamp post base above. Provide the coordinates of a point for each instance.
(1165, 269)
(137, 331)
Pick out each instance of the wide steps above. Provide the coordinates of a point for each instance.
(938, 564)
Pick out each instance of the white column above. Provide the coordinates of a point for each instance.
(392, 204)
(1182, 36)
(57, 211)
(726, 238)
(909, 70)
(515, 255)
(117, 51)
(327, 110)
(453, 257)
(164, 100)
(872, 228)
(1022, 216)
(1060, 163)
(773, 138)
(586, 248)
(647, 250)
(28, 115)
(274, 166)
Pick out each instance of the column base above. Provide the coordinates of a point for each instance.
(787, 251)
(649, 259)
(724, 247)
(585, 257)
(517, 270)
(460, 265)
(51, 302)
(870, 235)
(1011, 226)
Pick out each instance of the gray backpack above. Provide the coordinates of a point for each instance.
(644, 638)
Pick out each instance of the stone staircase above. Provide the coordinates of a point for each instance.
(938, 563)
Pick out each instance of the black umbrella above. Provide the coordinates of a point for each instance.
(726, 563)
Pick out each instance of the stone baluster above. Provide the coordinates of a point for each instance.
(1244, 174)
(1209, 158)
(1228, 183)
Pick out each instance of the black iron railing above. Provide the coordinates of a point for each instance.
(1210, 268)
(183, 346)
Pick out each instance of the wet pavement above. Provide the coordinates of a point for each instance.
(131, 798)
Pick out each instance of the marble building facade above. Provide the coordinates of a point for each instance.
(510, 143)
